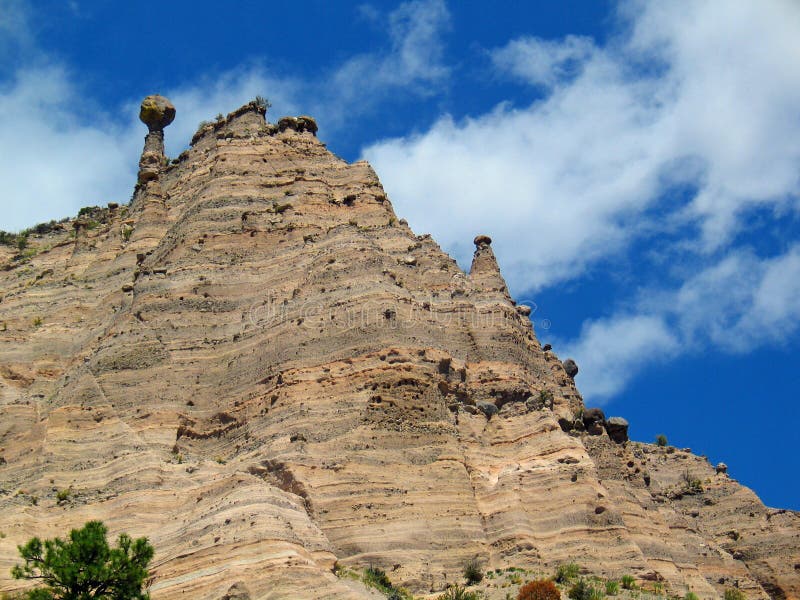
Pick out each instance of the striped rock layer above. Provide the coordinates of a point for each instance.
(260, 368)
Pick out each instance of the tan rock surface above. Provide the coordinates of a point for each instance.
(260, 368)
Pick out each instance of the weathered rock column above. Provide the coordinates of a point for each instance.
(156, 112)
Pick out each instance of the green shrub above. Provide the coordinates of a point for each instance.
(661, 440)
(566, 573)
(733, 594)
(262, 102)
(472, 572)
(541, 589)
(691, 596)
(546, 399)
(458, 593)
(692, 485)
(376, 577)
(584, 591)
(84, 566)
(628, 582)
(612, 588)
(63, 495)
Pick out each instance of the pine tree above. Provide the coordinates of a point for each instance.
(84, 567)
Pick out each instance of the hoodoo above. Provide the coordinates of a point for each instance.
(156, 112)
(260, 368)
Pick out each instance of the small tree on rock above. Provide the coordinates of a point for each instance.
(84, 567)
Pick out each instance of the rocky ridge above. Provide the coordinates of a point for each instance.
(259, 367)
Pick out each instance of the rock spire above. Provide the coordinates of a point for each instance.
(156, 112)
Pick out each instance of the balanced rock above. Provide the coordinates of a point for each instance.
(617, 429)
(482, 240)
(571, 367)
(156, 112)
(721, 468)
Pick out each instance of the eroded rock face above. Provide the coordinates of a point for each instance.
(245, 366)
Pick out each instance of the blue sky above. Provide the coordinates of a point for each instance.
(637, 164)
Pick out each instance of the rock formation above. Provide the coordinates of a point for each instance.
(257, 366)
(617, 429)
(156, 112)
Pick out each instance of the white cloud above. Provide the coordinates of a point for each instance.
(66, 156)
(696, 96)
(202, 100)
(738, 304)
(544, 62)
(742, 303)
(14, 30)
(54, 164)
(611, 352)
(413, 62)
(575, 174)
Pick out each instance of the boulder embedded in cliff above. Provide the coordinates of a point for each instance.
(594, 420)
(298, 124)
(617, 429)
(487, 408)
(306, 123)
(156, 112)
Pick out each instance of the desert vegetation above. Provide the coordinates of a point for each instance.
(83, 566)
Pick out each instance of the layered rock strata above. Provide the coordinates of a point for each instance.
(263, 370)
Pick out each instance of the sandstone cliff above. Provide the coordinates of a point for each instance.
(259, 367)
